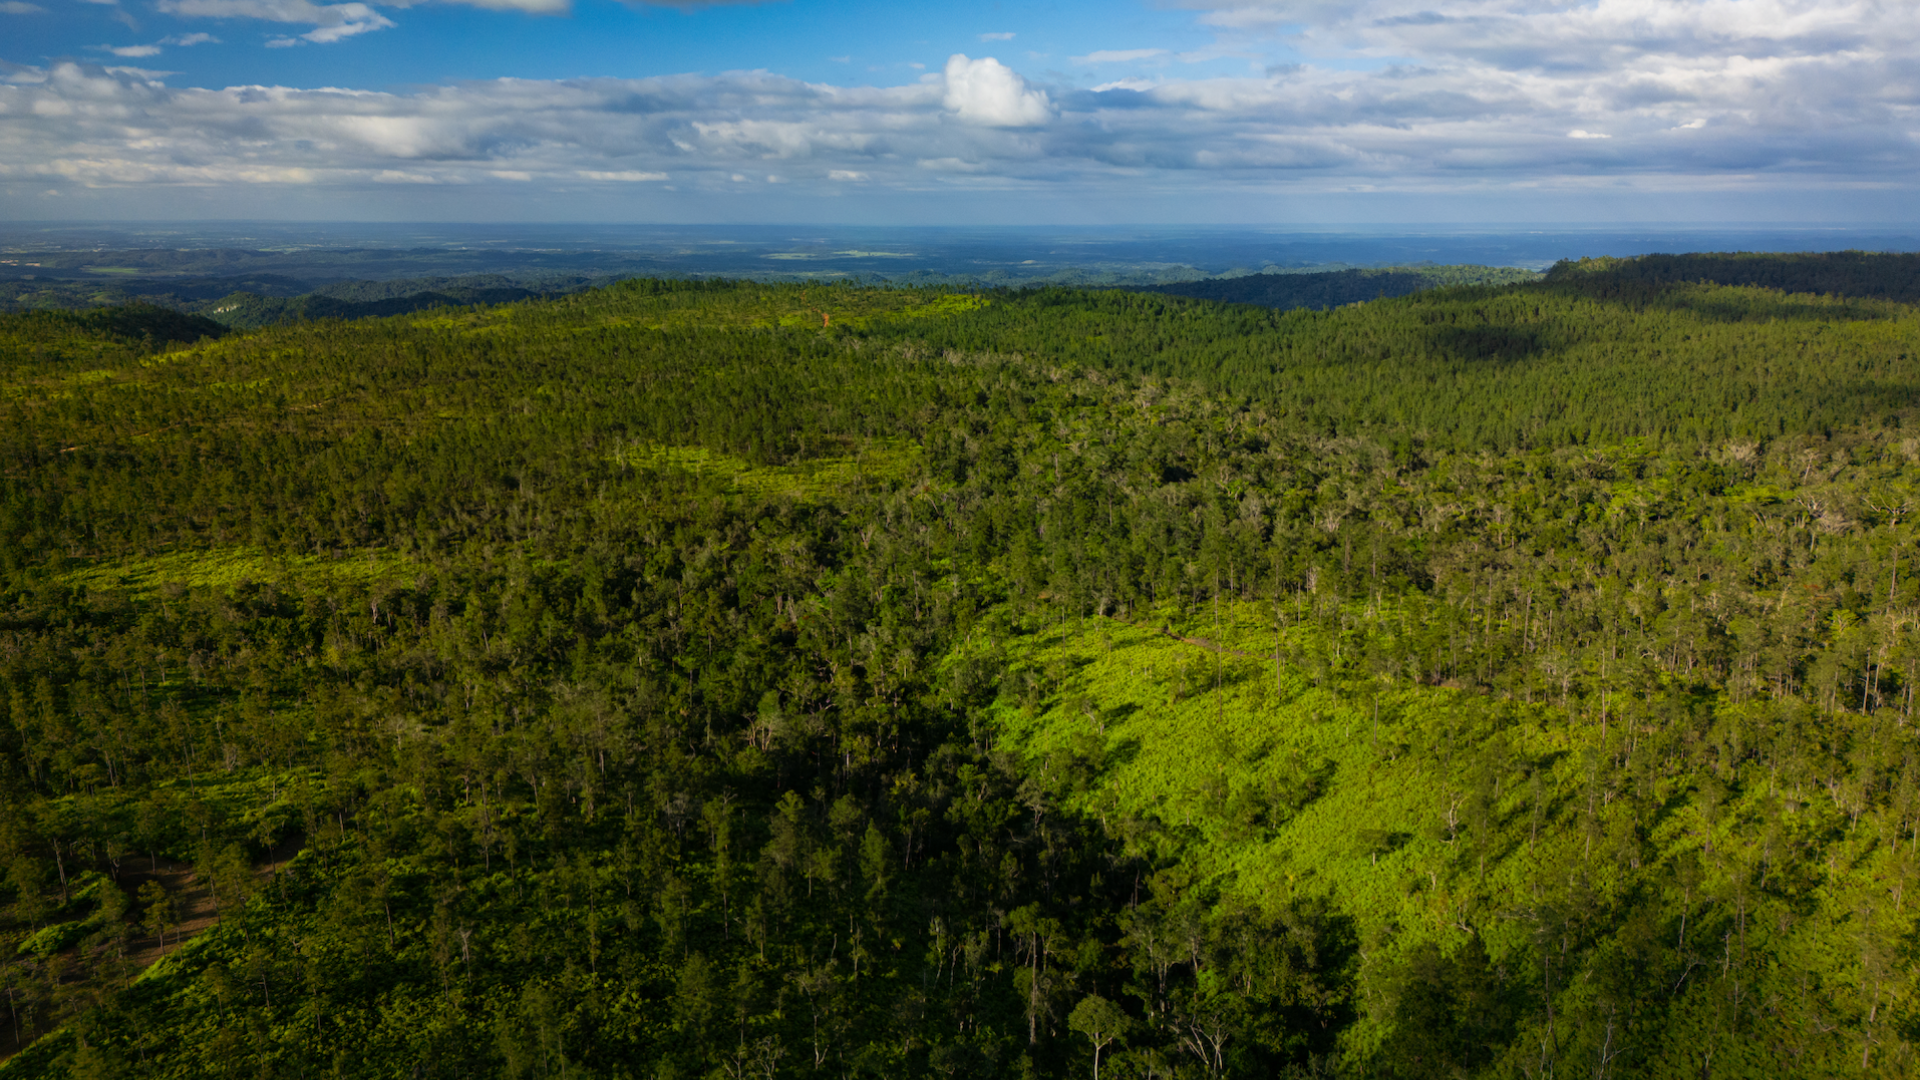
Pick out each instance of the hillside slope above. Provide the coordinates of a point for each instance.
(1862, 274)
(1336, 288)
(689, 679)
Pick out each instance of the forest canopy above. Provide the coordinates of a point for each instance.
(1339, 287)
(720, 679)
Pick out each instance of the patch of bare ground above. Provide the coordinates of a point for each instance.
(71, 980)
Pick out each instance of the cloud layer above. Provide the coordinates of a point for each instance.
(1473, 94)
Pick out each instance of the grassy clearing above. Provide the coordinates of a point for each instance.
(809, 480)
(144, 578)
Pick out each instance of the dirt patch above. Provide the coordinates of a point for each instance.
(192, 904)
(84, 972)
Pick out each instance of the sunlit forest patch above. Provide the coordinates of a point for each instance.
(806, 479)
(143, 579)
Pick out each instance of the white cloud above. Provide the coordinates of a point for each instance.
(19, 7)
(1796, 93)
(138, 51)
(951, 165)
(531, 7)
(629, 176)
(1118, 56)
(330, 22)
(987, 92)
(1000, 36)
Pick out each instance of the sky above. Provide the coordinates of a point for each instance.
(864, 112)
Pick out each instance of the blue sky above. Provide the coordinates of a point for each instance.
(1270, 111)
(871, 43)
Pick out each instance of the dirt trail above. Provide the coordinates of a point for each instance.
(194, 909)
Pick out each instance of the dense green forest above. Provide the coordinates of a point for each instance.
(373, 299)
(1336, 288)
(250, 302)
(1879, 275)
(708, 679)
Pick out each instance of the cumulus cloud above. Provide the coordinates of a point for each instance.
(985, 91)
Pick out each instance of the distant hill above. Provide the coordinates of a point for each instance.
(369, 299)
(1863, 274)
(255, 301)
(1339, 287)
(67, 335)
(43, 293)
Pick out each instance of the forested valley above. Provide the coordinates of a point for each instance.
(688, 680)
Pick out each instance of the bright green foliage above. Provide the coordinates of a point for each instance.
(668, 681)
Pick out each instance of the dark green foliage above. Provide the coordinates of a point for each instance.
(256, 300)
(1864, 274)
(637, 675)
(1338, 287)
(373, 299)
(1522, 367)
(137, 329)
(192, 294)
